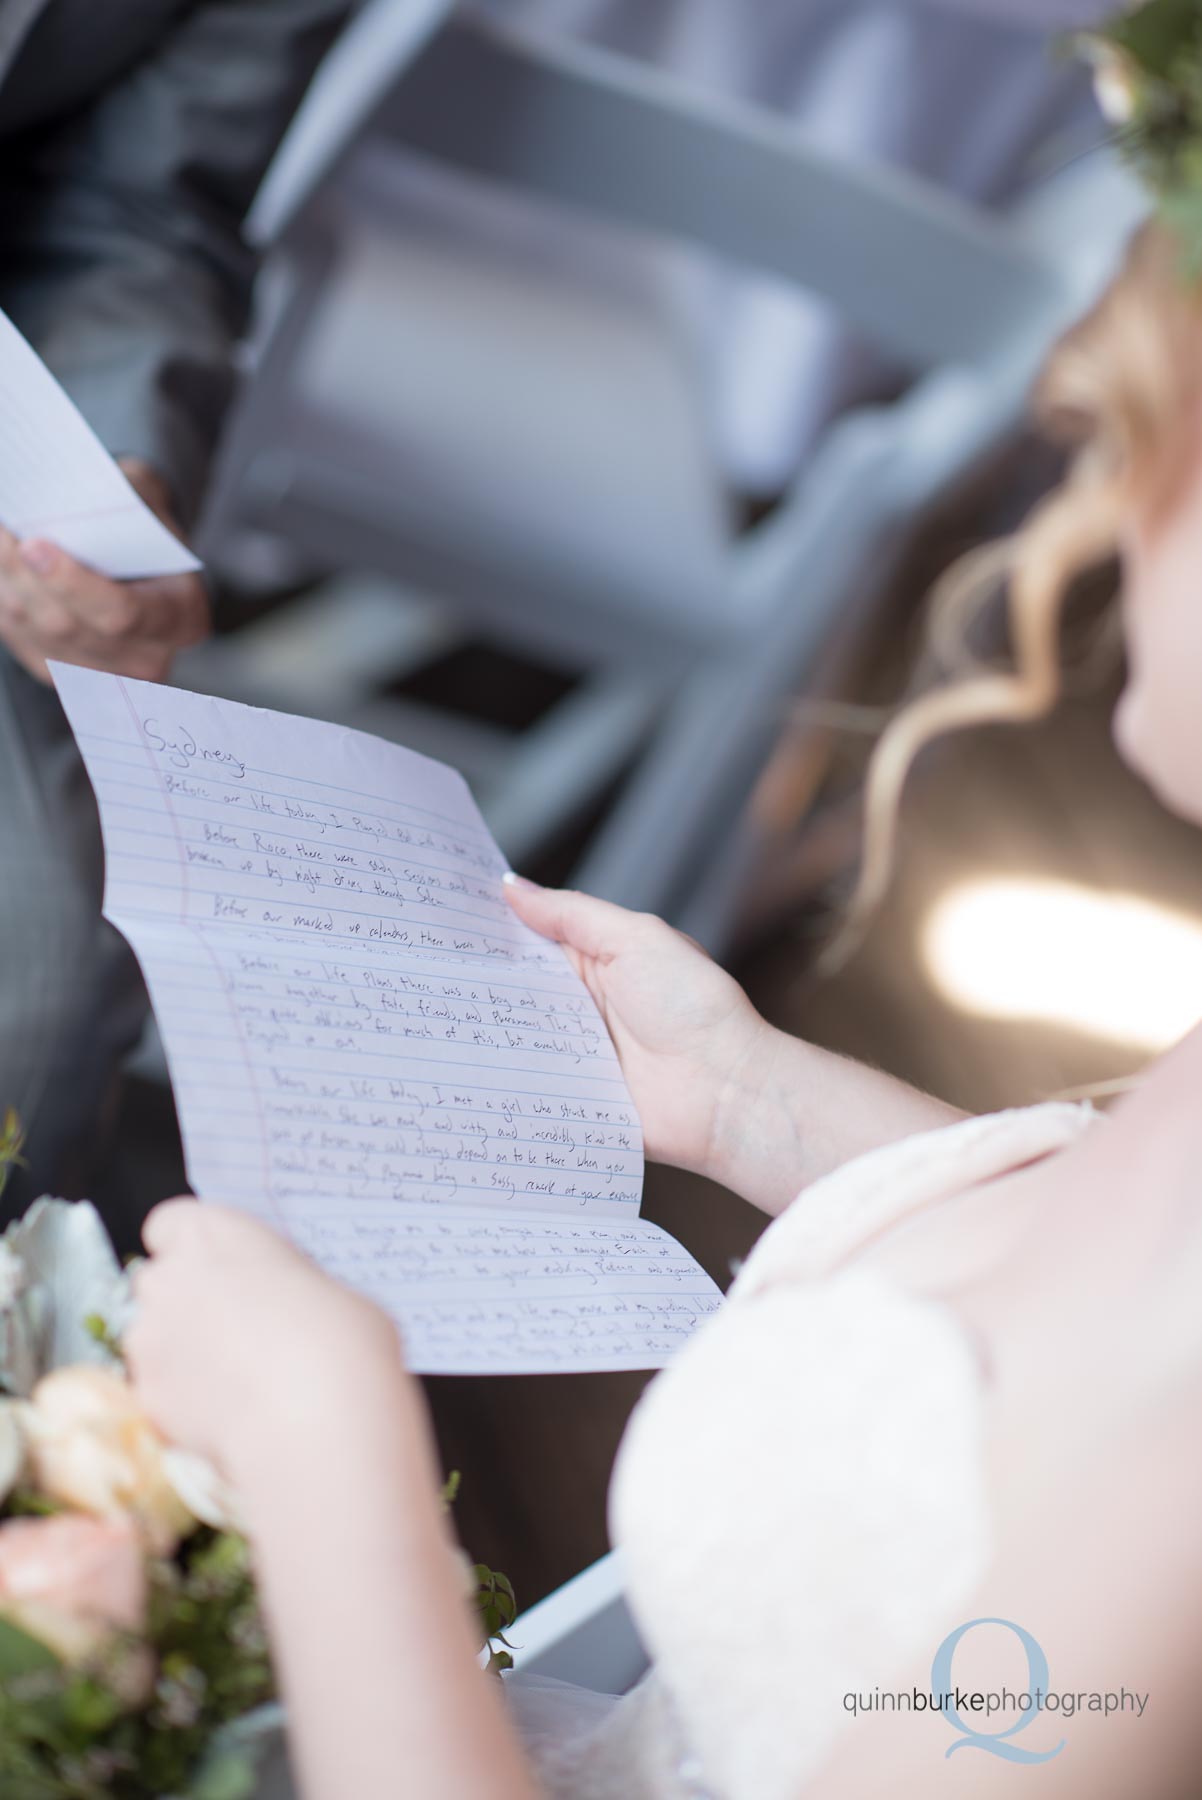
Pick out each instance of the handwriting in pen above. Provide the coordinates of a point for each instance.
(182, 750)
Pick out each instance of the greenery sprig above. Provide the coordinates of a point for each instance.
(12, 1142)
(66, 1733)
(1149, 66)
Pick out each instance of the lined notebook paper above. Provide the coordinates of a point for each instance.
(368, 1049)
(57, 481)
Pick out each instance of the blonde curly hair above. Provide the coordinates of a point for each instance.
(1122, 387)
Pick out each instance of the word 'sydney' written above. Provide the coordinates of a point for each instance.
(367, 1047)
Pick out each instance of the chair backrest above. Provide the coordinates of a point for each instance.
(583, 1632)
(926, 277)
(444, 402)
(352, 84)
(471, 385)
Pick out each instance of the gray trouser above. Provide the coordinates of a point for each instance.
(72, 1001)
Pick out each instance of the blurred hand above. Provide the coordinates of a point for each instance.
(237, 1337)
(686, 1034)
(54, 607)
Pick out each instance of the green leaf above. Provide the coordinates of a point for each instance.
(1156, 34)
(450, 1490)
(29, 1783)
(23, 1503)
(230, 1775)
(21, 1654)
(96, 1326)
(88, 1708)
(11, 1140)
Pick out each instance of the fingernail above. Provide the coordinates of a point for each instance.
(509, 879)
(38, 555)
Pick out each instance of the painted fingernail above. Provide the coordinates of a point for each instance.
(38, 555)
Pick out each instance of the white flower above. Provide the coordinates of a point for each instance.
(68, 1271)
(1116, 80)
(12, 1276)
(12, 1448)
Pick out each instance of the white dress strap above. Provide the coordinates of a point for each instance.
(842, 1211)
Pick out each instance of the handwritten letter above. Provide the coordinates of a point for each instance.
(57, 480)
(367, 1047)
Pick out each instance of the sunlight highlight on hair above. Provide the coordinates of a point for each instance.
(1115, 966)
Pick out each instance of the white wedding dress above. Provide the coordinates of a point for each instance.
(799, 1499)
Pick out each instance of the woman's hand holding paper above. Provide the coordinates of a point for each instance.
(719, 1091)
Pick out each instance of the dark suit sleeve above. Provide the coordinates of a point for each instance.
(124, 262)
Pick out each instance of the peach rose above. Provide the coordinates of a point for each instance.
(90, 1446)
(72, 1582)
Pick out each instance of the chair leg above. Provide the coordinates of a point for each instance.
(561, 764)
(671, 845)
(686, 795)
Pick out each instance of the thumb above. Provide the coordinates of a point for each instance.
(594, 927)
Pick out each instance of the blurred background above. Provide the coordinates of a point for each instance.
(623, 374)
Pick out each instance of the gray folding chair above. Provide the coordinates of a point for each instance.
(435, 399)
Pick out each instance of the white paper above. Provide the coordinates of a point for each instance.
(57, 481)
(368, 1048)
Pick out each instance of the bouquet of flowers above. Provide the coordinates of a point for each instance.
(133, 1658)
